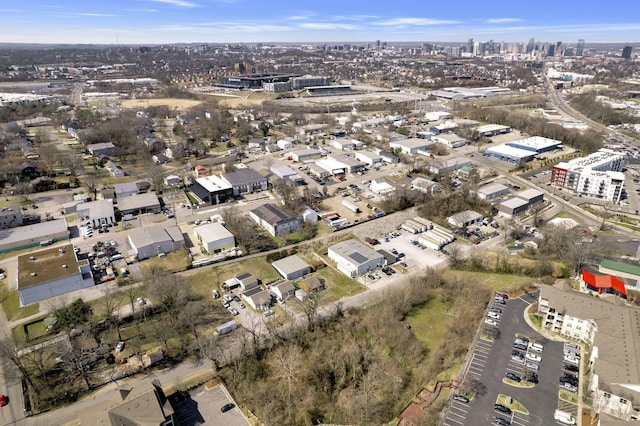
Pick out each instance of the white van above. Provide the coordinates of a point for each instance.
(536, 347)
(115, 257)
(564, 417)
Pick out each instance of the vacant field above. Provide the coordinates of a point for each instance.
(498, 282)
(173, 103)
(203, 282)
(429, 322)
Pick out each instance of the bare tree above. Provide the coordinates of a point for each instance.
(111, 305)
(10, 357)
(72, 355)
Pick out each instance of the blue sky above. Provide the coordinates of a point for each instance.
(176, 21)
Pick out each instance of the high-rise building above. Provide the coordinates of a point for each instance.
(530, 45)
(626, 52)
(378, 44)
(552, 50)
(580, 47)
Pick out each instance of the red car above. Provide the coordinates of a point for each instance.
(3, 400)
(504, 296)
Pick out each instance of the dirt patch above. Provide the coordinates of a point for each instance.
(173, 103)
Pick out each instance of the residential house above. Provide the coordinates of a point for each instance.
(283, 291)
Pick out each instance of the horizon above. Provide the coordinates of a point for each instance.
(161, 22)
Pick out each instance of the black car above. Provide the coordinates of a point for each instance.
(500, 301)
(532, 379)
(502, 421)
(501, 408)
(572, 382)
(227, 407)
(520, 346)
(570, 367)
(461, 398)
(514, 377)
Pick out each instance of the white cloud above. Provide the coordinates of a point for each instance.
(178, 3)
(95, 14)
(326, 26)
(502, 20)
(415, 21)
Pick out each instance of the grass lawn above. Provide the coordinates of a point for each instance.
(339, 284)
(568, 396)
(515, 405)
(11, 305)
(498, 282)
(429, 322)
(176, 261)
(203, 282)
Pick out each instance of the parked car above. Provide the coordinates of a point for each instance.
(502, 421)
(514, 377)
(120, 346)
(460, 398)
(570, 367)
(227, 407)
(491, 322)
(534, 357)
(4, 400)
(215, 293)
(493, 315)
(503, 409)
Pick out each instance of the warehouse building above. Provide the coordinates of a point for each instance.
(98, 212)
(246, 181)
(140, 203)
(492, 191)
(291, 267)
(513, 207)
(38, 234)
(51, 272)
(354, 258)
(465, 219)
(214, 238)
(275, 220)
(302, 155)
(10, 217)
(153, 241)
(532, 196)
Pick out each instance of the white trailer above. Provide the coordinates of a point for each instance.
(351, 206)
(227, 327)
(564, 417)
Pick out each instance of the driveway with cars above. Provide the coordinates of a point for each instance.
(491, 361)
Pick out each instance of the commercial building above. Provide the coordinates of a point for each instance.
(368, 157)
(354, 258)
(98, 212)
(275, 220)
(440, 167)
(513, 207)
(287, 174)
(612, 331)
(465, 219)
(411, 145)
(302, 155)
(151, 241)
(450, 139)
(536, 144)
(37, 234)
(246, 181)
(630, 273)
(291, 267)
(214, 238)
(140, 203)
(489, 130)
(532, 196)
(212, 190)
(597, 175)
(492, 191)
(505, 152)
(10, 217)
(591, 281)
(51, 272)
(145, 404)
(339, 164)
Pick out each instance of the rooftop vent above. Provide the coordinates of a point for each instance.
(33, 274)
(64, 266)
(32, 258)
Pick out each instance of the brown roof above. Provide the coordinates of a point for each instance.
(48, 265)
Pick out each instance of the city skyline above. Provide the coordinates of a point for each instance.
(244, 21)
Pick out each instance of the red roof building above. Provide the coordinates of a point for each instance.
(604, 284)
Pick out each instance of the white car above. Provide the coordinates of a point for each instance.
(493, 315)
(533, 357)
(491, 322)
(120, 346)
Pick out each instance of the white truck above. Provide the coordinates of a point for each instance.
(351, 206)
(227, 327)
(564, 417)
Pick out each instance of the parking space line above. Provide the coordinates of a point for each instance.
(455, 421)
(458, 408)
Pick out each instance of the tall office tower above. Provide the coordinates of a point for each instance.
(378, 44)
(558, 46)
(580, 47)
(476, 48)
(626, 52)
(470, 45)
(552, 50)
(530, 45)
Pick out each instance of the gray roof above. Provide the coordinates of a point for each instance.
(36, 232)
(139, 201)
(243, 177)
(98, 208)
(272, 214)
(212, 232)
(514, 203)
(151, 235)
(290, 264)
(528, 194)
(355, 252)
(125, 187)
(492, 188)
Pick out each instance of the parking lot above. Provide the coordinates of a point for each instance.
(202, 406)
(512, 354)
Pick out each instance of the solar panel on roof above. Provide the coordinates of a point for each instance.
(358, 257)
